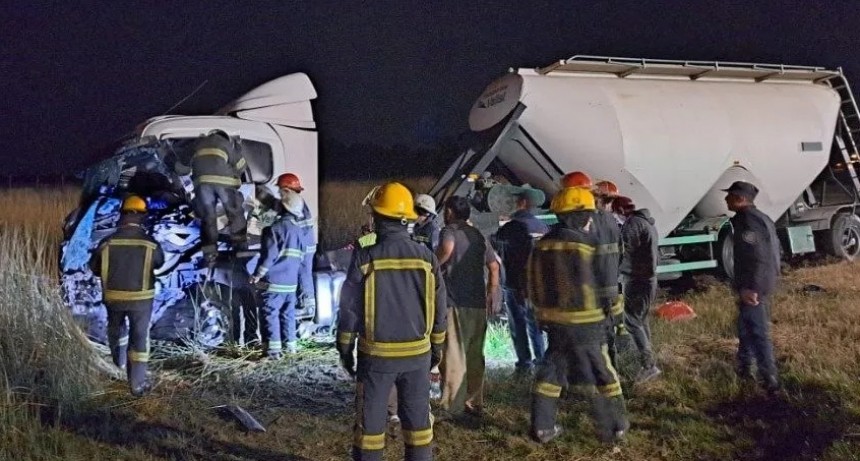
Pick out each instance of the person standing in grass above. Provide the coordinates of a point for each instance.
(561, 285)
(757, 269)
(393, 304)
(639, 280)
(125, 262)
(473, 294)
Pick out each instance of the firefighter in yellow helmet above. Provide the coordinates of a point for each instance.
(125, 262)
(393, 303)
(561, 285)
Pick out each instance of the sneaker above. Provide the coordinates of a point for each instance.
(647, 374)
(141, 390)
(393, 419)
(771, 385)
(292, 347)
(273, 356)
(546, 435)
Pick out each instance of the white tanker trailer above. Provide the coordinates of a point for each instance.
(671, 135)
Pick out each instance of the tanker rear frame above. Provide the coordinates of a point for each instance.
(825, 213)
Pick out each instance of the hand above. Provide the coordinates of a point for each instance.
(252, 280)
(749, 297)
(494, 300)
(435, 355)
(347, 361)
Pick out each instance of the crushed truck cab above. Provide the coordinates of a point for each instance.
(672, 135)
(273, 125)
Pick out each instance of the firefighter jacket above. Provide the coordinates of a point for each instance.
(606, 261)
(428, 234)
(757, 253)
(217, 161)
(561, 283)
(514, 243)
(393, 301)
(640, 252)
(125, 261)
(282, 255)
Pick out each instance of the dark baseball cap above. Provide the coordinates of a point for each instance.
(743, 189)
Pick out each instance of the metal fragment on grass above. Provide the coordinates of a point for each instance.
(243, 417)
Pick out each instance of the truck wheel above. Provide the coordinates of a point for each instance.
(843, 240)
(726, 252)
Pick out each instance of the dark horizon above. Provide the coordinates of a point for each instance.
(77, 78)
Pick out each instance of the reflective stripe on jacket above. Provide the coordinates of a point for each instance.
(393, 300)
(125, 261)
(282, 255)
(606, 261)
(216, 161)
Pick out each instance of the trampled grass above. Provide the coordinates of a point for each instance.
(54, 406)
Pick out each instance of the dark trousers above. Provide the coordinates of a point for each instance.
(754, 336)
(206, 198)
(639, 294)
(278, 320)
(129, 344)
(245, 320)
(524, 329)
(591, 366)
(372, 392)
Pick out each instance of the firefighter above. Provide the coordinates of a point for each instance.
(426, 231)
(607, 259)
(288, 183)
(393, 303)
(639, 280)
(561, 285)
(215, 170)
(757, 269)
(282, 258)
(515, 242)
(125, 262)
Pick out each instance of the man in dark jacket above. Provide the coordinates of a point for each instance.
(561, 282)
(125, 262)
(639, 280)
(425, 230)
(757, 268)
(215, 170)
(393, 302)
(515, 241)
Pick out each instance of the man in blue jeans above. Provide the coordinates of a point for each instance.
(515, 241)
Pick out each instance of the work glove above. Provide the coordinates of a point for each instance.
(435, 355)
(347, 361)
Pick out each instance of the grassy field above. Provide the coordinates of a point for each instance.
(56, 404)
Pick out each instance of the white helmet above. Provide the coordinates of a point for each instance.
(293, 202)
(426, 203)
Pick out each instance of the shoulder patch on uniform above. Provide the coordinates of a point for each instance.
(750, 237)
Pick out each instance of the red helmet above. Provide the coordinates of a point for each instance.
(576, 179)
(607, 188)
(290, 181)
(622, 205)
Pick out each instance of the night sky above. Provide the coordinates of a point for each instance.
(74, 79)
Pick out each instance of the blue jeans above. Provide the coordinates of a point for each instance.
(754, 335)
(521, 322)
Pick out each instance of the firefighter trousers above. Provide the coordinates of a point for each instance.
(206, 199)
(462, 366)
(278, 320)
(129, 343)
(591, 365)
(639, 294)
(372, 392)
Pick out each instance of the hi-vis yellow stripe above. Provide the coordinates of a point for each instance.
(240, 165)
(418, 438)
(618, 307)
(569, 317)
(344, 337)
(211, 151)
(607, 249)
(370, 441)
(135, 356)
(367, 344)
(613, 389)
(555, 245)
(552, 391)
(437, 338)
(120, 295)
(219, 180)
(132, 243)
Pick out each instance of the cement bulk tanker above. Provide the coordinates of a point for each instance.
(671, 135)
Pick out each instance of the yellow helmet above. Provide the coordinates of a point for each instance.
(572, 199)
(393, 200)
(134, 204)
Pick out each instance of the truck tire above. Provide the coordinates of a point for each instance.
(843, 238)
(726, 252)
